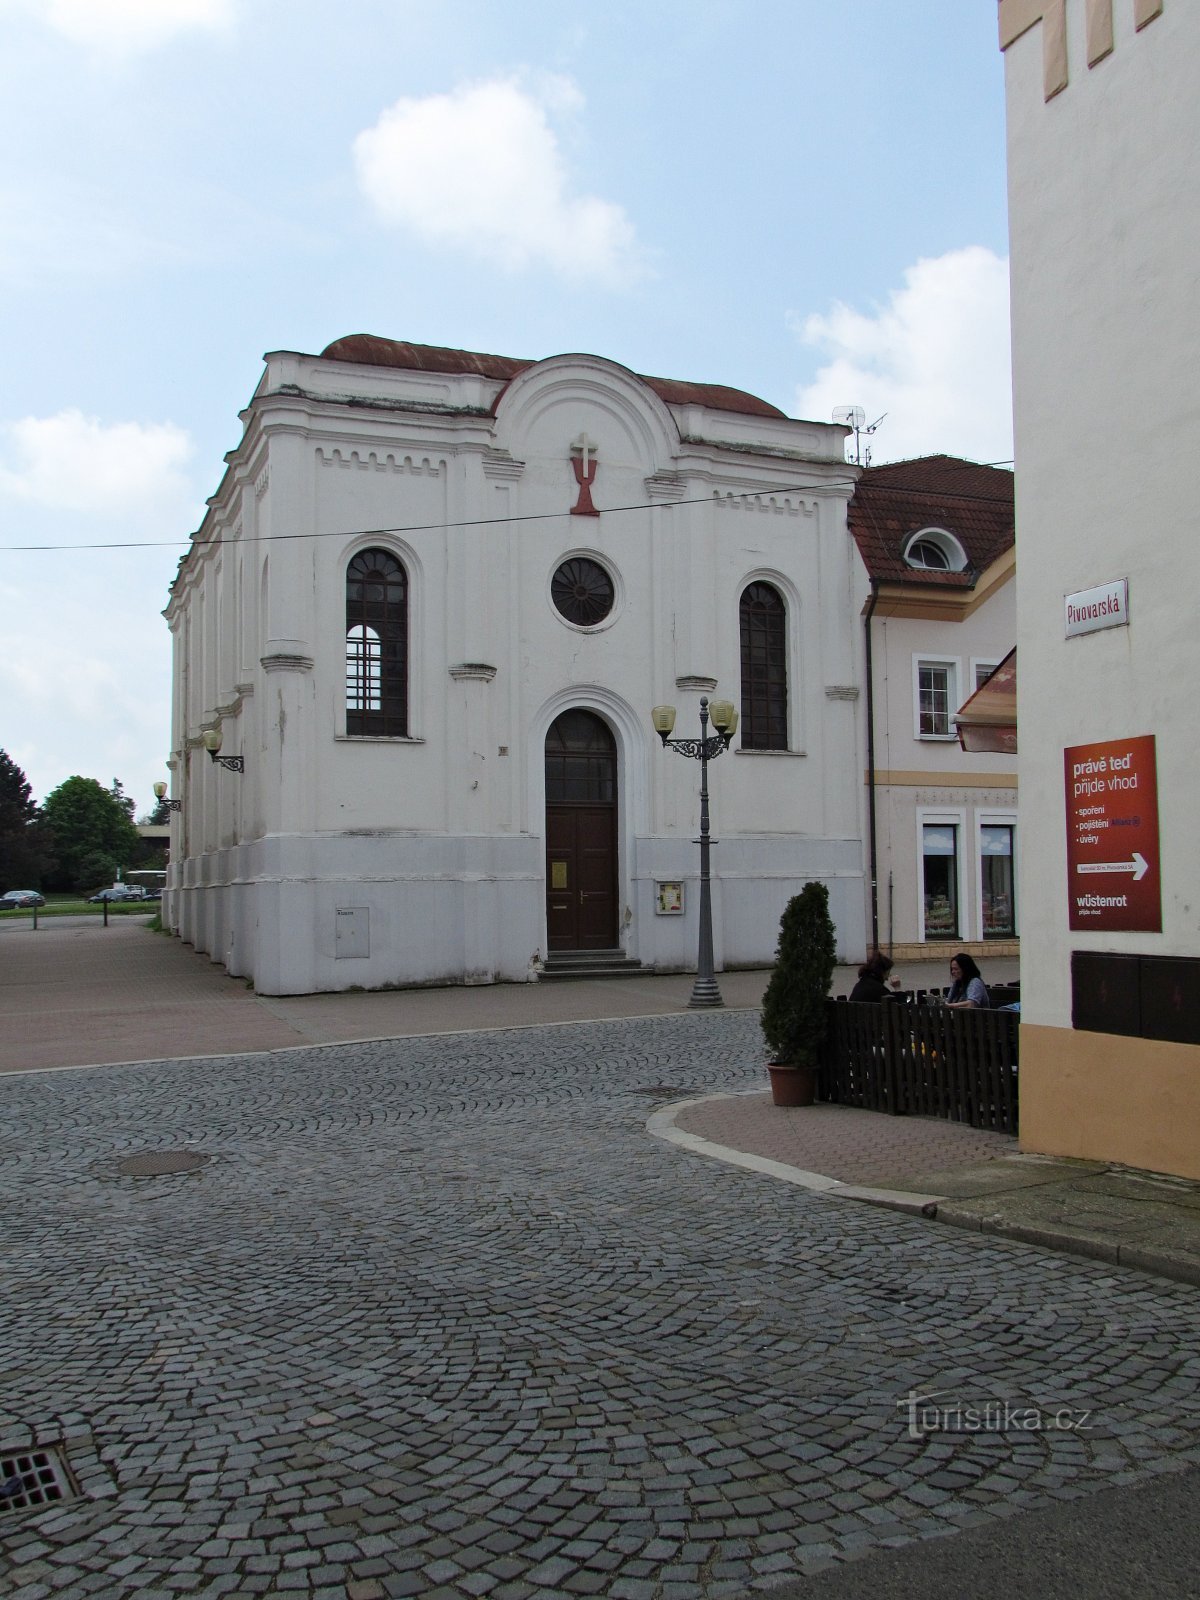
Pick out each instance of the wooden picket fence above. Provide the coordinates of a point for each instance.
(923, 1060)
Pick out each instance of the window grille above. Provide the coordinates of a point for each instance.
(376, 645)
(763, 723)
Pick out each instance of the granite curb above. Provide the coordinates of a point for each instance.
(1094, 1203)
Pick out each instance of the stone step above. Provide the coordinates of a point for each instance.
(589, 964)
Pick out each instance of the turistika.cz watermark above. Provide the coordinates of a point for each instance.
(935, 1413)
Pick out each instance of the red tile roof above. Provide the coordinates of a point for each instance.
(366, 349)
(891, 503)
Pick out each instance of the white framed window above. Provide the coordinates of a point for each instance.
(935, 696)
(935, 550)
(982, 668)
(942, 885)
(996, 873)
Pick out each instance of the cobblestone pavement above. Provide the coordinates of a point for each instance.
(438, 1318)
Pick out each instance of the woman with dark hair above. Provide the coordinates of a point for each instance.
(872, 974)
(967, 988)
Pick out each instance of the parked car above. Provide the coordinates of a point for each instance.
(119, 891)
(21, 899)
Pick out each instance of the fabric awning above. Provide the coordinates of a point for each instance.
(988, 720)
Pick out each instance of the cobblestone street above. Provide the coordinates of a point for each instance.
(436, 1317)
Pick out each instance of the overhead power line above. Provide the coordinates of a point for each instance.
(193, 541)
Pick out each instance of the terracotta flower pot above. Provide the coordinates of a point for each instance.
(792, 1086)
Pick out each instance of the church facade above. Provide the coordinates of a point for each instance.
(426, 617)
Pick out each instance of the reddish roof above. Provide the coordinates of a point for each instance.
(891, 503)
(366, 349)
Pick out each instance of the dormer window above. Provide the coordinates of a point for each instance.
(935, 550)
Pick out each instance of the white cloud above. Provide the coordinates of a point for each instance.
(935, 358)
(482, 168)
(99, 702)
(70, 462)
(125, 27)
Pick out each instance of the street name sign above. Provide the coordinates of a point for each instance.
(1106, 606)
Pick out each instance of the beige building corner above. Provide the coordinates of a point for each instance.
(1104, 201)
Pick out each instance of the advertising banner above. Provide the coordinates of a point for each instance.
(1113, 878)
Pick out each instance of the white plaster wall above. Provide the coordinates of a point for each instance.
(1104, 201)
(436, 840)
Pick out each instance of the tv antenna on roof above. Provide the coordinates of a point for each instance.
(854, 417)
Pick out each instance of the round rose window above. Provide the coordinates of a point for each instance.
(582, 591)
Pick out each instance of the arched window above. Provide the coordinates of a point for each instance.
(936, 551)
(763, 724)
(376, 645)
(581, 760)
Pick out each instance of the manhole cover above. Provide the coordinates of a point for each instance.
(33, 1478)
(157, 1163)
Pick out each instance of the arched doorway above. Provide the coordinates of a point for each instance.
(581, 833)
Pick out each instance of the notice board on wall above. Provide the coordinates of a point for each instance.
(1113, 869)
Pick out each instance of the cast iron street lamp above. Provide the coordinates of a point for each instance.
(212, 743)
(724, 718)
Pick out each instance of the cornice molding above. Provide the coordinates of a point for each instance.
(944, 781)
(380, 461)
(502, 466)
(781, 505)
(665, 486)
(286, 661)
(936, 604)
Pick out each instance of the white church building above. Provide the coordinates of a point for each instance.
(426, 617)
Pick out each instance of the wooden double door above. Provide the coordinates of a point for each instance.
(581, 833)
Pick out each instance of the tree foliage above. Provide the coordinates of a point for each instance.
(793, 1014)
(23, 849)
(161, 815)
(93, 832)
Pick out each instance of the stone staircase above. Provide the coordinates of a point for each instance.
(589, 964)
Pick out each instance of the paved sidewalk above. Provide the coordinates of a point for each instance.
(74, 993)
(955, 1174)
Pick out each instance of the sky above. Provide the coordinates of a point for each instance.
(800, 199)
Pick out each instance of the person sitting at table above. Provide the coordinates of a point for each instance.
(872, 976)
(967, 989)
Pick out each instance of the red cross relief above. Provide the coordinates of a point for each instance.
(585, 476)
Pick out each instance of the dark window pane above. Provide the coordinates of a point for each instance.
(581, 760)
(940, 872)
(996, 862)
(763, 724)
(376, 645)
(582, 591)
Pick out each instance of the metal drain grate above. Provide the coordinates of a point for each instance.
(157, 1163)
(33, 1478)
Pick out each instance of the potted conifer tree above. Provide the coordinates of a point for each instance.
(793, 1014)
